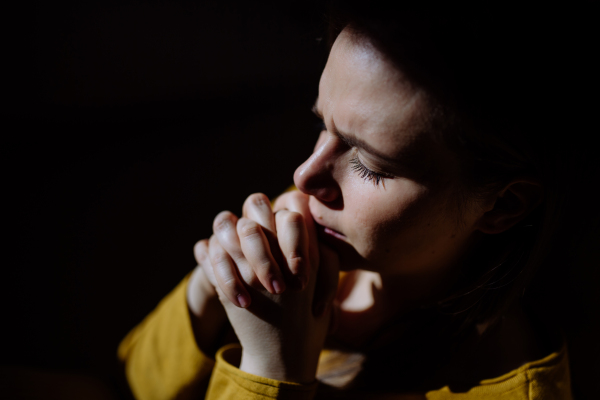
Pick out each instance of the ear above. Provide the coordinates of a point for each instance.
(511, 205)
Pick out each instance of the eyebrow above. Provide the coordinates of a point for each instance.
(352, 141)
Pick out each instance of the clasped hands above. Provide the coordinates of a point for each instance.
(276, 283)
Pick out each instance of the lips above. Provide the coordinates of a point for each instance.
(333, 233)
(328, 234)
(337, 241)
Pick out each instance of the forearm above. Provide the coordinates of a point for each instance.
(207, 316)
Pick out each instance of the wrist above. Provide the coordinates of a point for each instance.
(207, 316)
(273, 366)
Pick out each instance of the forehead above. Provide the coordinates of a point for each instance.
(363, 94)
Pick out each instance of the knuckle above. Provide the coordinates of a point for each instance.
(249, 229)
(200, 250)
(292, 218)
(281, 202)
(297, 195)
(265, 270)
(200, 246)
(226, 280)
(258, 199)
(229, 284)
(264, 267)
(219, 258)
(223, 221)
(295, 262)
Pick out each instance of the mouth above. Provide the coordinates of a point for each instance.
(339, 242)
(333, 233)
(331, 237)
(327, 234)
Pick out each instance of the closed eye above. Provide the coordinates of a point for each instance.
(366, 173)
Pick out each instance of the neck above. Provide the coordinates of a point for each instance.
(369, 301)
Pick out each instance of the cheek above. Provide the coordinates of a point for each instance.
(429, 242)
(379, 215)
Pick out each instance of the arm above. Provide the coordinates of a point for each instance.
(170, 353)
(281, 334)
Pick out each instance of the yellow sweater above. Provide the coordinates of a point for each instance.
(162, 361)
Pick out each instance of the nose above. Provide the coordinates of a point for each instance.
(316, 175)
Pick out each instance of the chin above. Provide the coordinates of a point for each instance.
(350, 259)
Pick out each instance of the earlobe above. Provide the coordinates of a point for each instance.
(512, 205)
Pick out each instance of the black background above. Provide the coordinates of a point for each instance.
(129, 125)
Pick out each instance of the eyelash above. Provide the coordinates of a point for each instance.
(366, 173)
(358, 166)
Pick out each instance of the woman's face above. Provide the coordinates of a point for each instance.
(379, 182)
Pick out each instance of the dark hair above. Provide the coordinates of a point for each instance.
(488, 72)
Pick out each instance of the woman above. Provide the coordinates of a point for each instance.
(434, 199)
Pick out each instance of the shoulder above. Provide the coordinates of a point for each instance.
(546, 378)
(519, 359)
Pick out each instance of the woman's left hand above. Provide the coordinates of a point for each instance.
(282, 335)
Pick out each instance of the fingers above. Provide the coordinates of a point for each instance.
(201, 251)
(258, 252)
(224, 228)
(293, 201)
(257, 207)
(255, 252)
(254, 246)
(226, 274)
(298, 202)
(293, 241)
(201, 256)
(327, 280)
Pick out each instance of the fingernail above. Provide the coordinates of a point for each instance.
(278, 286)
(242, 300)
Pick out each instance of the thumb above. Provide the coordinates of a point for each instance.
(327, 280)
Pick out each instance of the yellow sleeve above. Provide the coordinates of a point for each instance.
(545, 379)
(229, 382)
(162, 361)
(160, 355)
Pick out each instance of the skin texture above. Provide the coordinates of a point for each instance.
(376, 191)
(402, 229)
(281, 334)
(401, 226)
